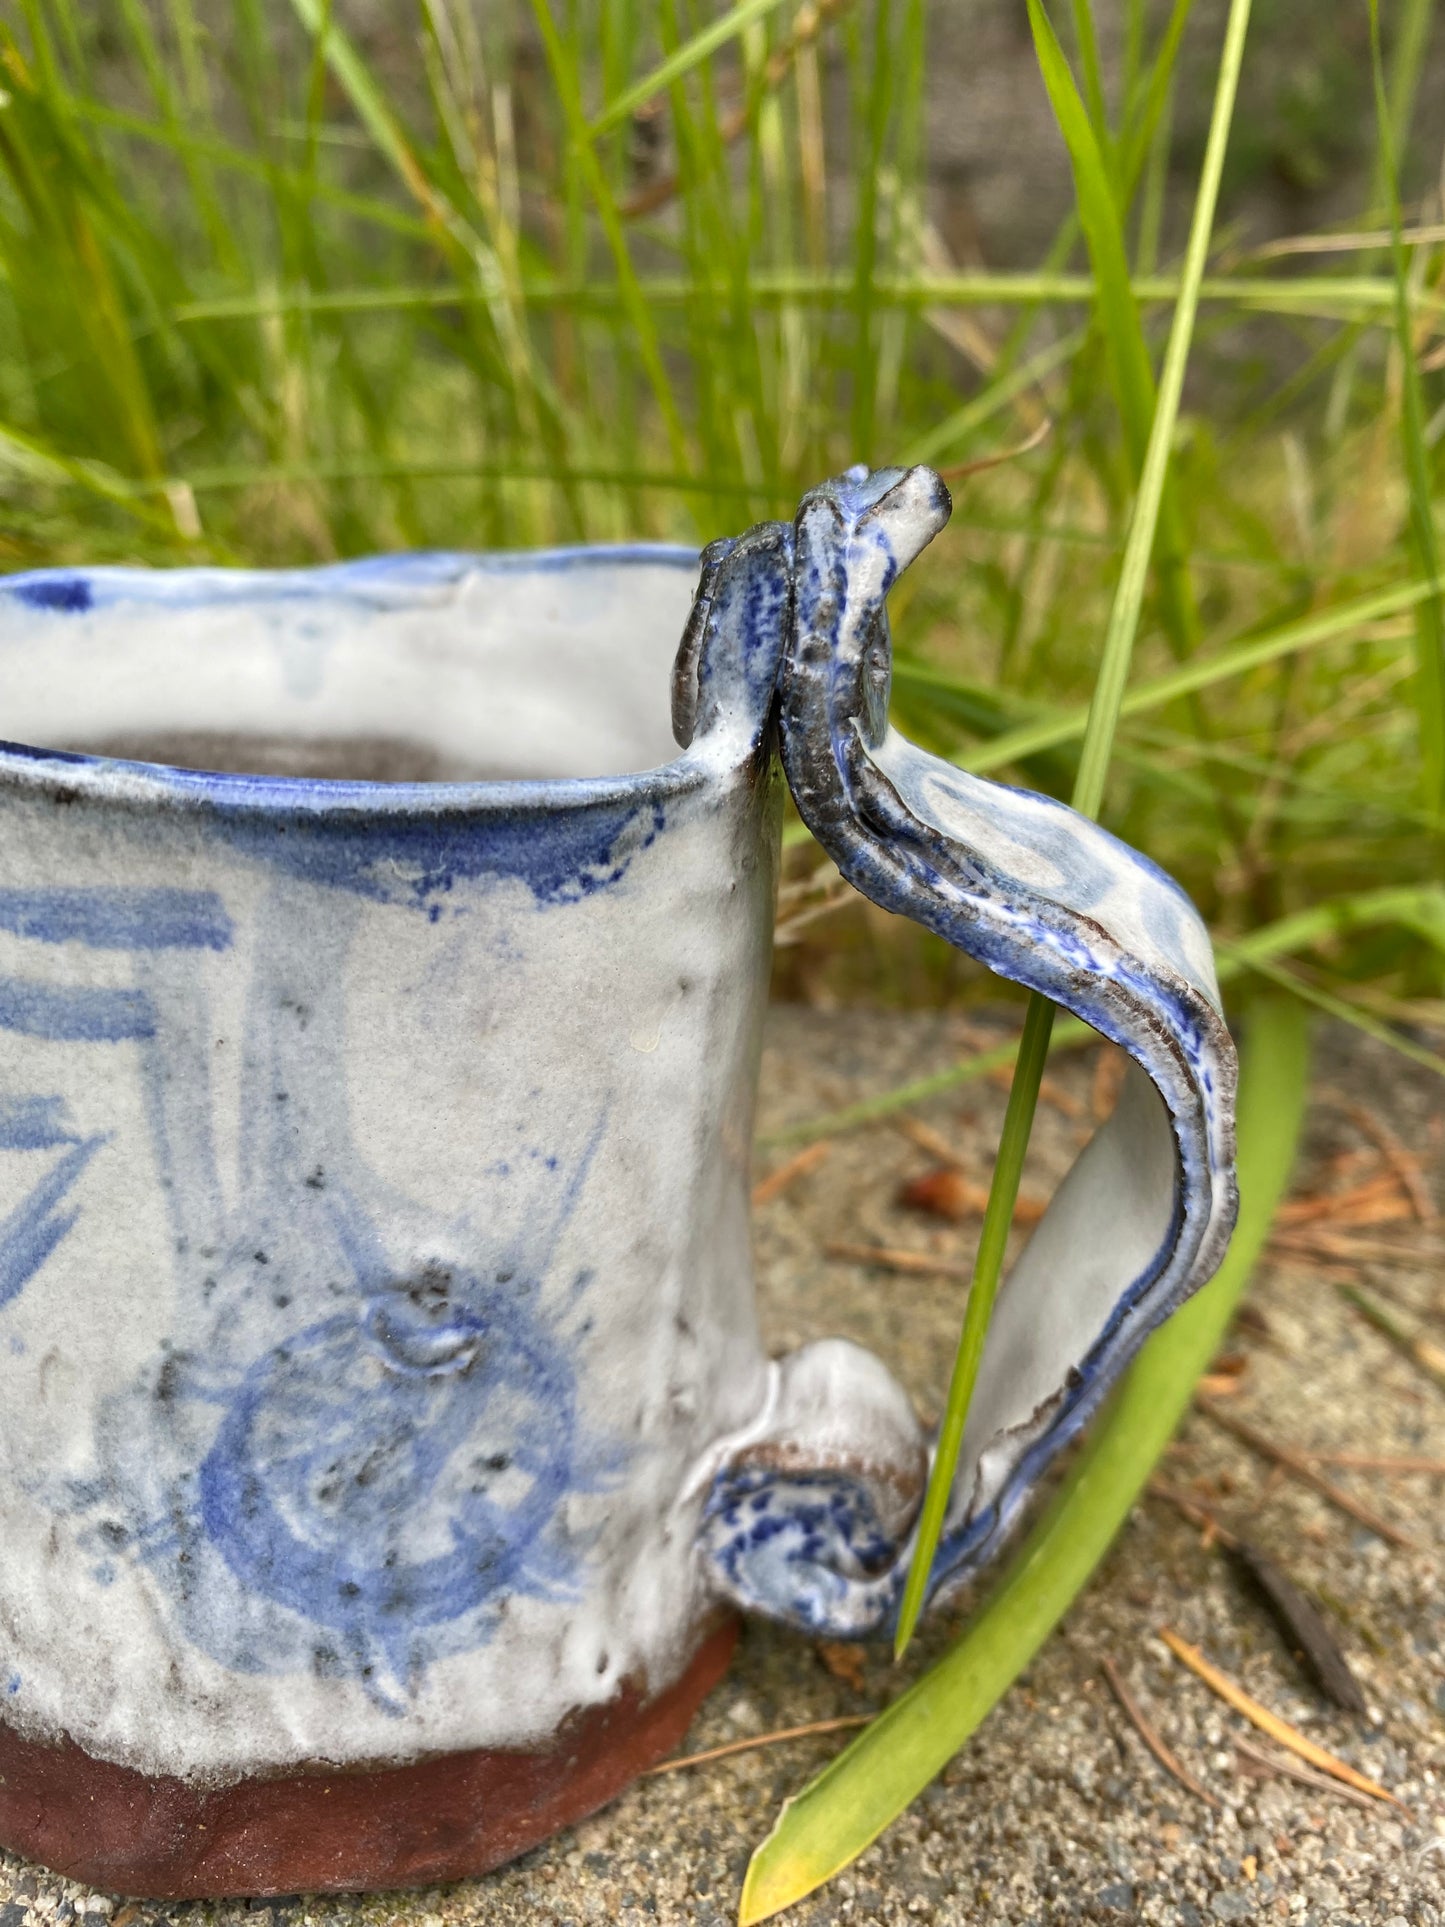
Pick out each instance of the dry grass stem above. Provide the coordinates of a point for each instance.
(1362, 241)
(929, 1140)
(956, 471)
(1109, 1067)
(1379, 1200)
(731, 128)
(1050, 1092)
(1197, 1514)
(1338, 1248)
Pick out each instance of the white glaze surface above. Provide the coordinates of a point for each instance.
(306, 1083)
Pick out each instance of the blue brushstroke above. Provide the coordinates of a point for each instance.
(36, 1226)
(562, 855)
(74, 1013)
(68, 593)
(358, 1443)
(34, 1123)
(115, 918)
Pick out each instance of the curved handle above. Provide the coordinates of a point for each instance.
(1046, 898)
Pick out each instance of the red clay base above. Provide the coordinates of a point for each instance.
(328, 1831)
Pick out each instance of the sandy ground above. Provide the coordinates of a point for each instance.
(1055, 1811)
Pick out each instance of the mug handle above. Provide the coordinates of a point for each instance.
(798, 1523)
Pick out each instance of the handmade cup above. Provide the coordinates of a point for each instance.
(385, 1436)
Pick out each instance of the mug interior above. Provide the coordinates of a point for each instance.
(413, 668)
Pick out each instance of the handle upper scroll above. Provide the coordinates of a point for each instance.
(1050, 900)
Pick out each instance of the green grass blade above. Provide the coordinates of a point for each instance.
(561, 60)
(1070, 1033)
(371, 104)
(1339, 624)
(874, 1779)
(222, 154)
(1418, 907)
(1101, 217)
(1033, 1051)
(1346, 1013)
(1099, 732)
(1093, 78)
(34, 458)
(1328, 297)
(680, 63)
(1430, 615)
(955, 430)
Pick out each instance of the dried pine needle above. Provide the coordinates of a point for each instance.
(844, 1723)
(790, 1170)
(1302, 1469)
(919, 1264)
(1277, 1729)
(1255, 1760)
(1167, 1759)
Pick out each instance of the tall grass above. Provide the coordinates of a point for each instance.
(275, 293)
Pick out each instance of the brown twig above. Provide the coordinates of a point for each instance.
(1301, 1467)
(946, 1193)
(1170, 1763)
(1262, 1763)
(790, 1170)
(761, 1739)
(1278, 1729)
(1221, 1384)
(1298, 1616)
(1109, 1067)
(888, 1258)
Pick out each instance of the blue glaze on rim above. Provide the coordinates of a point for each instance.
(71, 591)
(386, 581)
(407, 842)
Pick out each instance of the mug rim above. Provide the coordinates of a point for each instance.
(63, 590)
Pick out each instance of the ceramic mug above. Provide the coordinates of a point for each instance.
(385, 1435)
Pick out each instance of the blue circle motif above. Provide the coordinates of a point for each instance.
(381, 1473)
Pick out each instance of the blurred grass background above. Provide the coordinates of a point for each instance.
(286, 280)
